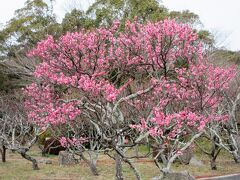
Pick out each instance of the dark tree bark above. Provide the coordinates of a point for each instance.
(3, 153)
(213, 164)
(214, 153)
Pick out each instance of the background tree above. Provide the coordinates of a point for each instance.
(105, 12)
(75, 21)
(186, 17)
(29, 25)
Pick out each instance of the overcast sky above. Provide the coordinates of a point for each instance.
(219, 16)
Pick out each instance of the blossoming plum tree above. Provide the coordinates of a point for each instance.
(148, 80)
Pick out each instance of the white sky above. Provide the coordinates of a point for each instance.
(219, 16)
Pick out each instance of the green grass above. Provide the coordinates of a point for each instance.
(20, 169)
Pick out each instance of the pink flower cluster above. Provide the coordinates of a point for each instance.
(71, 142)
(44, 107)
(96, 87)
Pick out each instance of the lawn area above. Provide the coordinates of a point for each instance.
(20, 169)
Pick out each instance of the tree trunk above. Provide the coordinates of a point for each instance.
(135, 171)
(236, 157)
(234, 151)
(213, 164)
(119, 171)
(3, 153)
(94, 169)
(91, 164)
(29, 158)
(214, 153)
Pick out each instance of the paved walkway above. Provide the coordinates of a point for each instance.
(228, 177)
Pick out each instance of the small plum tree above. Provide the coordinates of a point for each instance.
(16, 132)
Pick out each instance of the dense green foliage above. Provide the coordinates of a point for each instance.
(105, 12)
(76, 20)
(29, 25)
